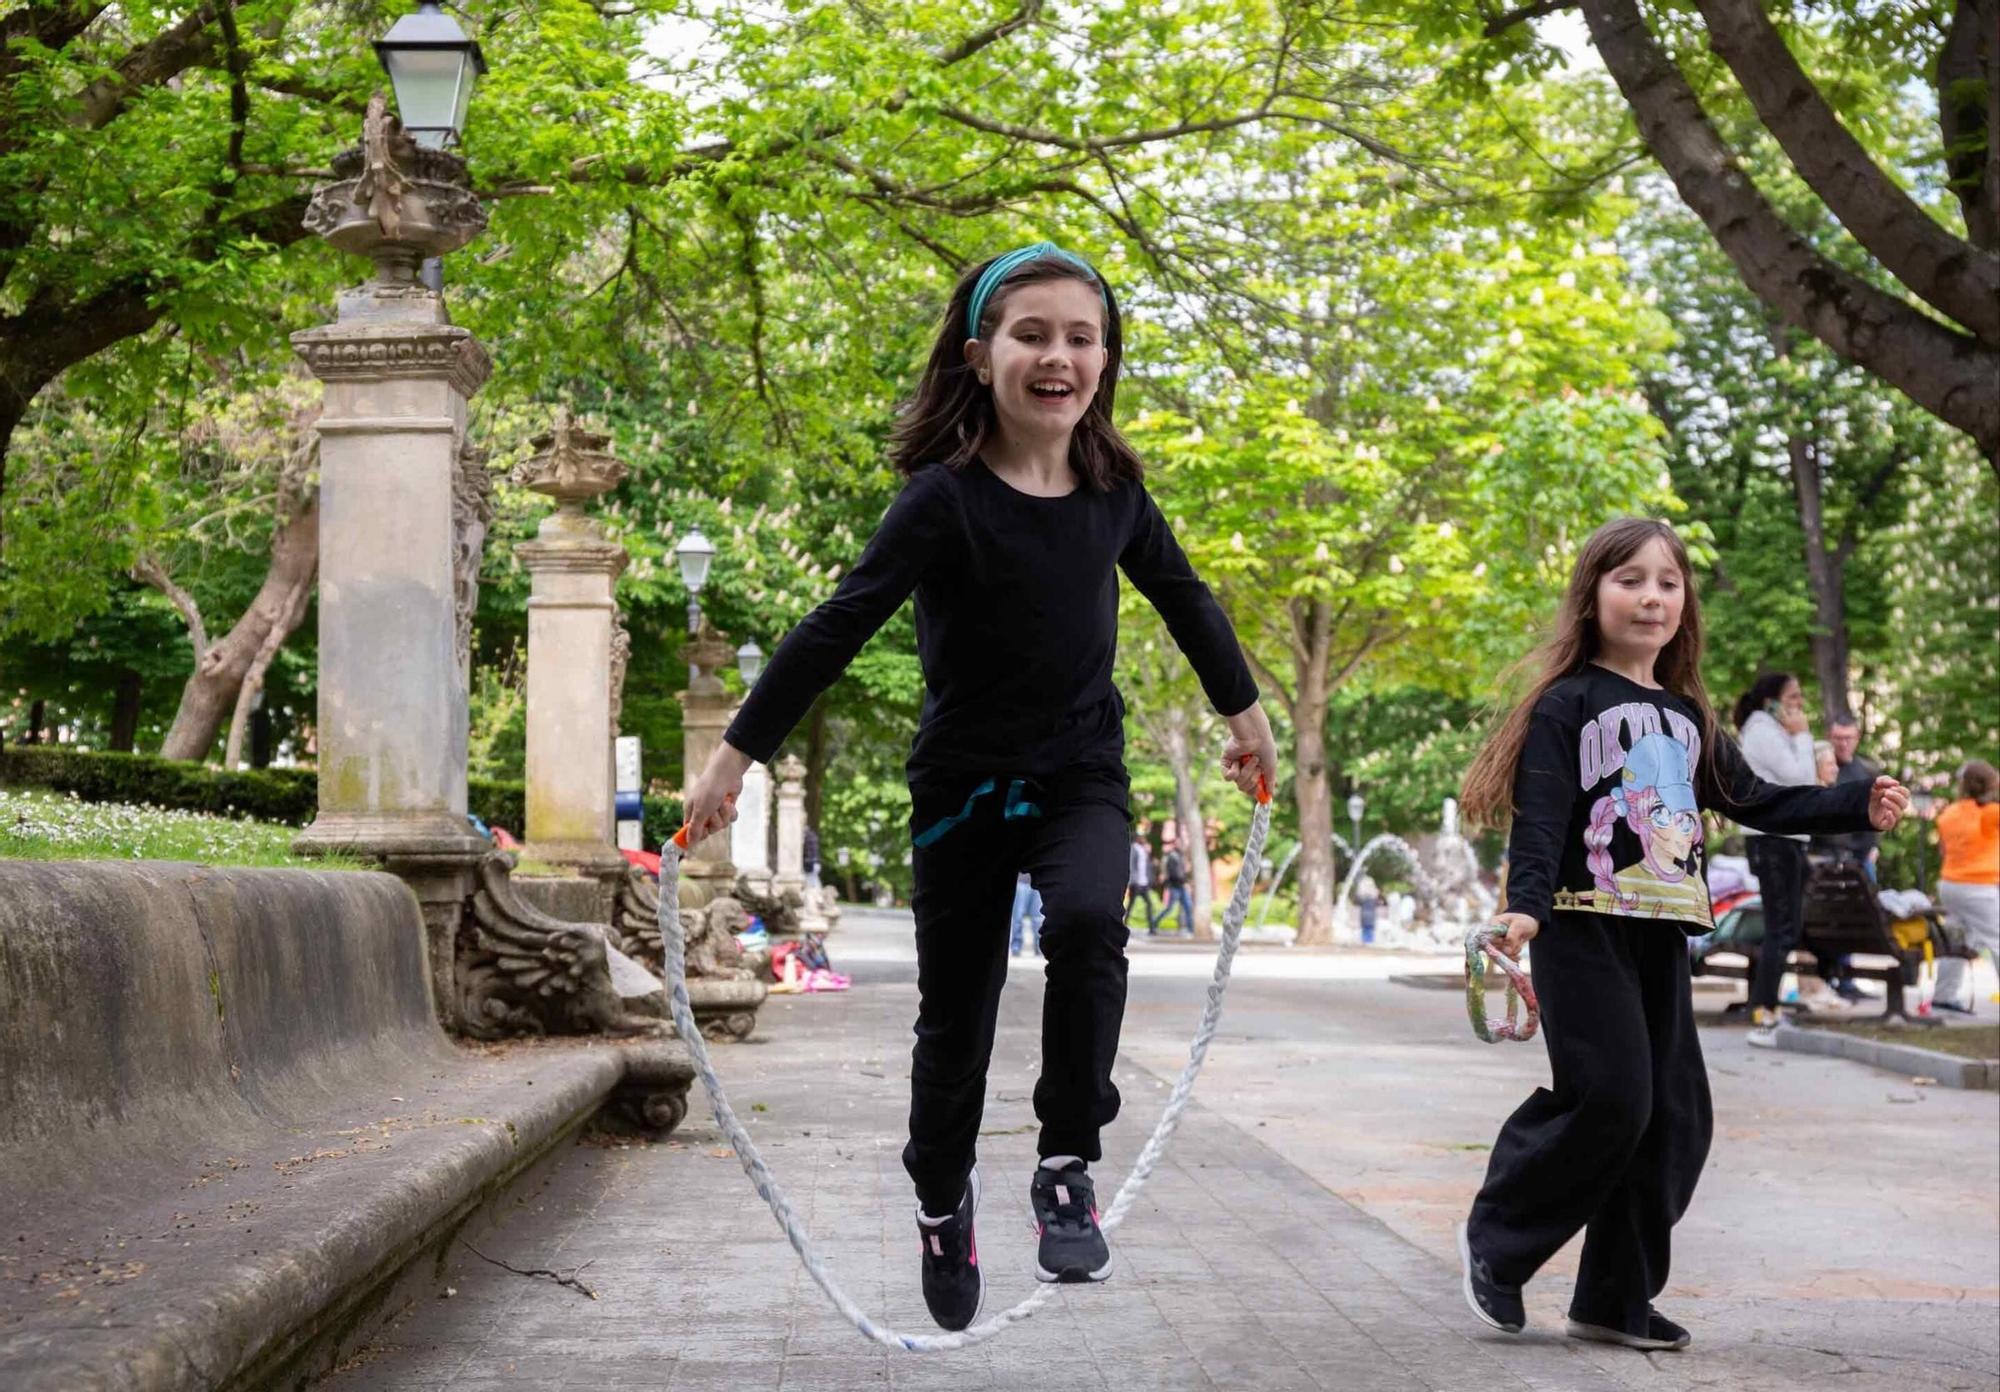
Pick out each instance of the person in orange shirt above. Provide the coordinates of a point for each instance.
(1969, 883)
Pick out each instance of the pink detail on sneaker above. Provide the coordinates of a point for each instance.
(973, 1238)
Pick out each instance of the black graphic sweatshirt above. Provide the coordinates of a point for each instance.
(1608, 799)
(1017, 625)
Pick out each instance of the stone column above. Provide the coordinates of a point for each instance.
(791, 877)
(572, 627)
(791, 771)
(397, 373)
(706, 710)
(750, 838)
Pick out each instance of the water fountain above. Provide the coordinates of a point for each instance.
(1450, 898)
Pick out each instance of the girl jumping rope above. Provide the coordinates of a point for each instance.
(1022, 504)
(1605, 769)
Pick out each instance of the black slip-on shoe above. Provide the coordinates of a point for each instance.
(1662, 1334)
(1496, 1305)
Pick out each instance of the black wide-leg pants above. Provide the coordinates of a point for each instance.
(971, 838)
(1616, 1145)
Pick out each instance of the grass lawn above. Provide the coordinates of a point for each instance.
(56, 826)
(1963, 1041)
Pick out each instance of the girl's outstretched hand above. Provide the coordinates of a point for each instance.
(1252, 751)
(1888, 800)
(710, 804)
(1521, 931)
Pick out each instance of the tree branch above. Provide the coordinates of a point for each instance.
(166, 55)
(147, 570)
(1947, 373)
(42, 26)
(1501, 23)
(972, 43)
(1968, 96)
(1955, 277)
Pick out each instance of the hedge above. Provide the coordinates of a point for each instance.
(286, 796)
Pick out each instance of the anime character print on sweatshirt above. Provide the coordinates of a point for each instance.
(1605, 768)
(1021, 507)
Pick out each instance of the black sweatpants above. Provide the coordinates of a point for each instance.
(1616, 1145)
(971, 838)
(1779, 863)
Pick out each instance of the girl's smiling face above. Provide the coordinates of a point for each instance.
(1043, 359)
(1639, 601)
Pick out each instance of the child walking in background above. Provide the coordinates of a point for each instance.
(1605, 768)
(1022, 504)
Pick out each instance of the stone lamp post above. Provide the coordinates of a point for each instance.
(706, 710)
(397, 375)
(572, 638)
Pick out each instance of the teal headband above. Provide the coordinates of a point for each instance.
(1003, 266)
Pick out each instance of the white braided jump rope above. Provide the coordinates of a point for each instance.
(781, 1209)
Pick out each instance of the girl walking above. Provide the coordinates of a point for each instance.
(1021, 506)
(1606, 768)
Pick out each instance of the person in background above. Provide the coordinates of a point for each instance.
(1027, 910)
(1173, 870)
(811, 855)
(1969, 883)
(1864, 848)
(1777, 745)
(1368, 895)
(1825, 767)
(1139, 873)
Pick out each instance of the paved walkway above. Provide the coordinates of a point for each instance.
(1259, 1258)
(1237, 1271)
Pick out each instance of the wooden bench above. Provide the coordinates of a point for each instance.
(1843, 918)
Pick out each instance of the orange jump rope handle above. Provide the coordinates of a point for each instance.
(681, 837)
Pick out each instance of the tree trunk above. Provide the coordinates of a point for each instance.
(252, 686)
(1187, 807)
(818, 752)
(1827, 579)
(219, 675)
(1315, 803)
(36, 714)
(125, 711)
(1947, 373)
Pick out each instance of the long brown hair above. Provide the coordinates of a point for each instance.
(951, 417)
(1487, 797)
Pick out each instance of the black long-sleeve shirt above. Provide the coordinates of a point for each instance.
(1608, 798)
(1017, 624)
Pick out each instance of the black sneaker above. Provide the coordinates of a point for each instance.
(1496, 1305)
(954, 1286)
(1662, 1334)
(1072, 1244)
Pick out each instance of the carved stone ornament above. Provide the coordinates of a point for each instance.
(651, 1100)
(570, 464)
(725, 984)
(780, 906)
(521, 971)
(471, 515)
(621, 658)
(371, 352)
(395, 201)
